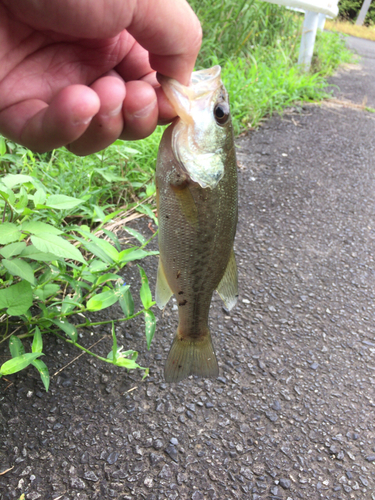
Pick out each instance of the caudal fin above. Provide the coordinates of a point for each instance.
(191, 357)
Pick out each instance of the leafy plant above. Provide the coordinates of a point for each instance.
(48, 275)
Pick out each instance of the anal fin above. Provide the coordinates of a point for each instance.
(228, 286)
(191, 357)
(163, 291)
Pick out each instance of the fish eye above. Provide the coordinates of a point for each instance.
(221, 112)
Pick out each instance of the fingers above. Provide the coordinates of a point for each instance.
(88, 119)
(140, 111)
(172, 34)
(136, 66)
(127, 111)
(107, 124)
(168, 29)
(42, 127)
(168, 38)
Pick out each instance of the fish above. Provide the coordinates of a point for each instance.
(196, 195)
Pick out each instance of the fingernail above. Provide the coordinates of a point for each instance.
(115, 112)
(142, 113)
(84, 121)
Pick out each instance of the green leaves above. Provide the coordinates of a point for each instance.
(18, 363)
(20, 360)
(43, 371)
(12, 249)
(120, 358)
(9, 232)
(142, 240)
(150, 325)
(36, 227)
(12, 180)
(3, 147)
(68, 328)
(102, 300)
(39, 198)
(16, 299)
(126, 301)
(145, 292)
(45, 278)
(62, 202)
(131, 254)
(108, 253)
(146, 298)
(19, 267)
(30, 252)
(145, 209)
(37, 347)
(51, 243)
(16, 347)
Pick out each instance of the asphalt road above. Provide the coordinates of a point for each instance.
(292, 414)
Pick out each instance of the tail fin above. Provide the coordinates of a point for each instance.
(191, 357)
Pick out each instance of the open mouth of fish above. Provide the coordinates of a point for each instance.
(199, 134)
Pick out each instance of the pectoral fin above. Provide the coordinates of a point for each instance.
(228, 286)
(163, 291)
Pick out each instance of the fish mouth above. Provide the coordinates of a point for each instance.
(203, 85)
(197, 140)
(202, 82)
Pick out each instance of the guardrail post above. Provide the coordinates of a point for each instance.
(310, 25)
(363, 12)
(321, 21)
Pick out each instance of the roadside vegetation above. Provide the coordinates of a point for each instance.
(349, 28)
(349, 10)
(61, 259)
(345, 22)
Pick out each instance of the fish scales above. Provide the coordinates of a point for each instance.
(194, 255)
(196, 232)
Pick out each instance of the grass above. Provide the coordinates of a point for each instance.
(349, 28)
(60, 254)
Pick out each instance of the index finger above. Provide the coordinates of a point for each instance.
(171, 33)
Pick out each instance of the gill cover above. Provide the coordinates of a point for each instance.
(199, 137)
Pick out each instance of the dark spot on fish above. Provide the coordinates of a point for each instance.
(180, 293)
(182, 303)
(178, 274)
(167, 216)
(179, 184)
(180, 366)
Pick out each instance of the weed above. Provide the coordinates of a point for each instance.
(51, 272)
(348, 28)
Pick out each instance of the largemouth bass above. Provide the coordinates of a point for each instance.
(196, 188)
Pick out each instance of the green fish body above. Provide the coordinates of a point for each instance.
(196, 183)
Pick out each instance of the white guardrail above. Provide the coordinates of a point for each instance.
(315, 12)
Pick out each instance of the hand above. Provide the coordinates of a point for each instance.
(71, 75)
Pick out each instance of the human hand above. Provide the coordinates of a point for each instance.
(71, 75)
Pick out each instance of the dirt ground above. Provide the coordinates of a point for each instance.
(292, 414)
